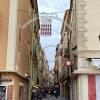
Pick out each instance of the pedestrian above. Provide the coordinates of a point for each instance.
(56, 92)
(45, 92)
(52, 90)
(34, 94)
(39, 94)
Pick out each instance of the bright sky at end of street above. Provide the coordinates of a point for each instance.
(49, 6)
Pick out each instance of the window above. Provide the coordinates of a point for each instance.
(2, 92)
(19, 36)
(30, 12)
(96, 62)
(89, 62)
(19, 32)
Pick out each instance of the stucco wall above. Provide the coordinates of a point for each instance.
(19, 82)
(24, 45)
(93, 23)
(4, 18)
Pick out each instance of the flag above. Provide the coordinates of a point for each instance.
(90, 87)
(45, 27)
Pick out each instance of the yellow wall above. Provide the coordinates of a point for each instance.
(4, 21)
(24, 45)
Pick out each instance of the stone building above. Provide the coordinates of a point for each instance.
(88, 49)
(61, 70)
(80, 38)
(42, 68)
(84, 50)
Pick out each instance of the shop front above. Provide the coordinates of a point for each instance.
(13, 87)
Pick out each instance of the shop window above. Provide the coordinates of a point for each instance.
(3, 93)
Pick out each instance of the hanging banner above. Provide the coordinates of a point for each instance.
(45, 25)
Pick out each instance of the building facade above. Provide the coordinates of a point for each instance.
(42, 68)
(84, 50)
(16, 50)
(51, 78)
(88, 49)
(62, 52)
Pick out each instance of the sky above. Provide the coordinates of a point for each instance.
(49, 6)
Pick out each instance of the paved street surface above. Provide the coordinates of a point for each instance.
(54, 98)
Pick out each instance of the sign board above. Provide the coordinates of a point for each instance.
(67, 63)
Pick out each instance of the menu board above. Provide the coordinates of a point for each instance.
(2, 92)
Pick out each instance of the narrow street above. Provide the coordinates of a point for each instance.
(49, 49)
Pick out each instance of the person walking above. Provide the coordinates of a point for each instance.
(39, 94)
(34, 94)
(56, 92)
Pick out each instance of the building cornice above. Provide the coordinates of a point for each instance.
(13, 72)
(87, 70)
(88, 53)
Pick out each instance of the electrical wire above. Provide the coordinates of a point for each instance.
(41, 12)
(53, 12)
(57, 18)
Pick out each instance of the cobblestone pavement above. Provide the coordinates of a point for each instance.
(54, 98)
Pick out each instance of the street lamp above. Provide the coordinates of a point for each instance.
(27, 76)
(99, 37)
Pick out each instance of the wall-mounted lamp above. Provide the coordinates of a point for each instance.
(89, 60)
(99, 37)
(27, 76)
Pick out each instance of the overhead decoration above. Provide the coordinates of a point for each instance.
(45, 25)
